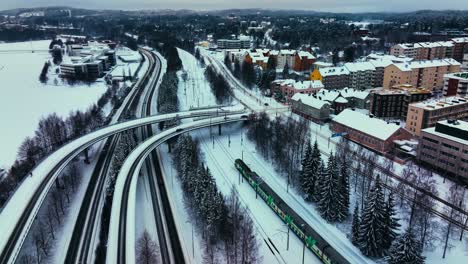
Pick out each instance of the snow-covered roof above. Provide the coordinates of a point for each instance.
(332, 95)
(434, 104)
(330, 71)
(300, 85)
(323, 64)
(341, 100)
(426, 64)
(462, 125)
(460, 40)
(385, 57)
(463, 76)
(306, 54)
(310, 100)
(359, 66)
(369, 125)
(287, 52)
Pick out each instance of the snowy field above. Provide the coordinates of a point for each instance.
(24, 100)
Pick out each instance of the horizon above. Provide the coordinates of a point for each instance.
(334, 6)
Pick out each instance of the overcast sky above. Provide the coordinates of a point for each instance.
(320, 5)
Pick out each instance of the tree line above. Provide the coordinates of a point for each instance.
(281, 140)
(224, 223)
(47, 226)
(219, 85)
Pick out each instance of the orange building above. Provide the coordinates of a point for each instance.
(428, 73)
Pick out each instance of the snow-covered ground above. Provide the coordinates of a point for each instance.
(24, 100)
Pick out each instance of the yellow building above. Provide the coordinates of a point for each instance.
(316, 76)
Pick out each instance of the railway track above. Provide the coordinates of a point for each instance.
(81, 248)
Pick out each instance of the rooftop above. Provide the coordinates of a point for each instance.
(369, 125)
(435, 104)
(359, 66)
(457, 75)
(454, 130)
(330, 71)
(426, 64)
(310, 100)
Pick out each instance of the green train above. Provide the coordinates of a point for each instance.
(303, 231)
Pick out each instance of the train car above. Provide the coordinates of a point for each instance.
(303, 231)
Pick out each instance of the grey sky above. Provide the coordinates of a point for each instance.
(319, 5)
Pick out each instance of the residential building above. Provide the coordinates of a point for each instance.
(456, 84)
(361, 75)
(393, 103)
(453, 48)
(460, 47)
(303, 61)
(290, 87)
(368, 131)
(427, 74)
(334, 77)
(310, 107)
(344, 98)
(427, 113)
(286, 57)
(445, 147)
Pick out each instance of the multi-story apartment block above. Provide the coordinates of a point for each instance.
(334, 77)
(286, 57)
(393, 103)
(428, 74)
(445, 147)
(303, 61)
(460, 47)
(427, 113)
(456, 84)
(361, 75)
(453, 48)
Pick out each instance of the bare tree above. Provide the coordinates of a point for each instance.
(147, 250)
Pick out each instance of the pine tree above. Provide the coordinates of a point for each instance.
(355, 227)
(306, 174)
(286, 71)
(372, 224)
(406, 249)
(328, 189)
(320, 174)
(391, 222)
(227, 62)
(237, 69)
(343, 194)
(314, 165)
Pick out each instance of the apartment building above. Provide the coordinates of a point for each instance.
(290, 87)
(303, 61)
(454, 48)
(456, 84)
(286, 57)
(428, 73)
(426, 114)
(334, 77)
(460, 47)
(445, 147)
(393, 103)
(361, 75)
